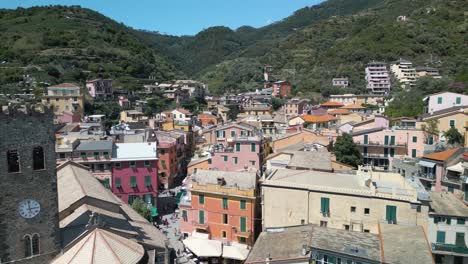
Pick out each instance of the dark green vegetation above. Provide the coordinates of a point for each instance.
(57, 44)
(309, 48)
(346, 150)
(453, 136)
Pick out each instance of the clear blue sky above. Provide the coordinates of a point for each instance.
(182, 17)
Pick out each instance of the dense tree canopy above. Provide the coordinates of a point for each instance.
(346, 150)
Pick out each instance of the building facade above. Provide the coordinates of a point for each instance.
(224, 205)
(281, 89)
(350, 202)
(100, 88)
(135, 172)
(377, 78)
(64, 97)
(404, 72)
(444, 100)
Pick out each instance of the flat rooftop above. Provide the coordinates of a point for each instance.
(447, 204)
(318, 178)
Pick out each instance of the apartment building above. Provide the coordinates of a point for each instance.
(447, 228)
(404, 72)
(100, 88)
(64, 97)
(435, 174)
(295, 106)
(223, 205)
(135, 172)
(281, 89)
(97, 156)
(351, 202)
(379, 146)
(444, 100)
(428, 71)
(377, 78)
(358, 99)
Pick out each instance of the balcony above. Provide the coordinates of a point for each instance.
(198, 225)
(380, 144)
(378, 156)
(449, 248)
(427, 176)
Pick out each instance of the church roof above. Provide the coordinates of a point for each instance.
(101, 246)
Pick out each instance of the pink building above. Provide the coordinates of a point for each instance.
(100, 88)
(238, 147)
(135, 172)
(380, 146)
(124, 102)
(296, 107)
(281, 89)
(440, 170)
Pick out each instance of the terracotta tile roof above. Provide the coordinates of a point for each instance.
(353, 106)
(206, 116)
(184, 111)
(330, 103)
(339, 112)
(318, 119)
(65, 85)
(442, 156)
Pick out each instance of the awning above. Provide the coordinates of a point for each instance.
(235, 252)
(457, 168)
(204, 248)
(427, 164)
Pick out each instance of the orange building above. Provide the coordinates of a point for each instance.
(207, 120)
(224, 205)
(198, 164)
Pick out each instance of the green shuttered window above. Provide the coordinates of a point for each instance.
(243, 224)
(133, 182)
(201, 217)
(147, 181)
(242, 205)
(391, 214)
(201, 199)
(441, 237)
(325, 205)
(225, 203)
(118, 183)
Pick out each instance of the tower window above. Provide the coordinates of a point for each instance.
(38, 158)
(35, 244)
(13, 160)
(27, 246)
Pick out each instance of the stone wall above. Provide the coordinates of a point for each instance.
(23, 131)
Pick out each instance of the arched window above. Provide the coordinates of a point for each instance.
(38, 158)
(27, 246)
(13, 160)
(35, 244)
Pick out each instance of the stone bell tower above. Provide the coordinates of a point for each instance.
(29, 225)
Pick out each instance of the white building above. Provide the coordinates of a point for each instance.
(341, 82)
(444, 100)
(404, 71)
(377, 78)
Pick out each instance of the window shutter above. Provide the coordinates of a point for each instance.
(392, 152)
(460, 240)
(233, 133)
(201, 199)
(440, 237)
(147, 181)
(413, 153)
(391, 214)
(133, 182)
(201, 217)
(415, 139)
(386, 140)
(243, 224)
(237, 146)
(106, 183)
(225, 203)
(392, 140)
(184, 215)
(242, 205)
(366, 139)
(118, 183)
(458, 100)
(252, 147)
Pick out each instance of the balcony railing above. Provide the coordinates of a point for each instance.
(449, 248)
(223, 150)
(428, 176)
(369, 155)
(380, 144)
(196, 224)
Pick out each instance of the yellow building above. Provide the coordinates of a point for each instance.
(130, 116)
(64, 97)
(453, 117)
(343, 201)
